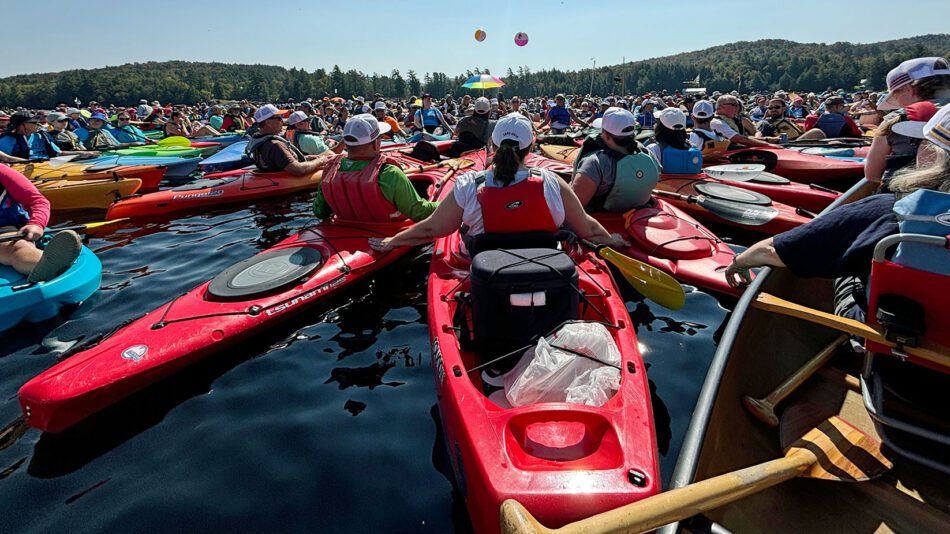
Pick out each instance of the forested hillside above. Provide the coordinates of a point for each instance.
(757, 65)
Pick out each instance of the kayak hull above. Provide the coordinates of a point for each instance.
(199, 323)
(669, 239)
(808, 168)
(22, 302)
(150, 174)
(86, 194)
(214, 189)
(152, 151)
(562, 461)
(788, 217)
(229, 158)
(176, 167)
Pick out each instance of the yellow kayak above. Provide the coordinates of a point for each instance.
(72, 194)
(560, 153)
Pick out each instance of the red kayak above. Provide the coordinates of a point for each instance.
(810, 197)
(241, 302)
(239, 186)
(669, 239)
(797, 166)
(562, 460)
(784, 217)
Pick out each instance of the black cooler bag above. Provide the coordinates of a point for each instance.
(518, 295)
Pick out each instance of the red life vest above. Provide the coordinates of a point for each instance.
(516, 208)
(355, 195)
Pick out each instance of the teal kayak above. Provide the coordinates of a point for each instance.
(22, 301)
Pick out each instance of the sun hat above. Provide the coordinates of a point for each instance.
(937, 129)
(379, 105)
(482, 105)
(56, 116)
(264, 112)
(99, 116)
(672, 118)
(913, 70)
(513, 127)
(362, 129)
(703, 109)
(21, 117)
(295, 117)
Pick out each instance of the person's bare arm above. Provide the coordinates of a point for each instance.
(584, 188)
(876, 161)
(583, 224)
(446, 219)
(758, 255)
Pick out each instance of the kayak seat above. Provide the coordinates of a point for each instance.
(730, 192)
(265, 273)
(765, 157)
(665, 235)
(205, 183)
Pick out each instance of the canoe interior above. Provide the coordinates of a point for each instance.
(769, 348)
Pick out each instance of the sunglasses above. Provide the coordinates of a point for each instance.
(729, 104)
(776, 107)
(124, 119)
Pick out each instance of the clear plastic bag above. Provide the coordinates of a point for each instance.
(548, 374)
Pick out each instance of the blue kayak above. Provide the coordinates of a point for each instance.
(224, 139)
(420, 136)
(177, 167)
(21, 301)
(229, 158)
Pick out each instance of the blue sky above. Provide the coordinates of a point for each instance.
(429, 36)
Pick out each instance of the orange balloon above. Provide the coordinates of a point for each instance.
(480, 35)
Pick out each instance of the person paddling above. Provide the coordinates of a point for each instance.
(483, 201)
(24, 211)
(273, 153)
(364, 185)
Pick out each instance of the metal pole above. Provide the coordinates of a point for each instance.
(592, 76)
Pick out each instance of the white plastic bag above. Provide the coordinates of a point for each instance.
(548, 374)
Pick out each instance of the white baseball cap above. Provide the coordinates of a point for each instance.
(296, 117)
(913, 70)
(617, 121)
(482, 104)
(515, 127)
(703, 109)
(362, 129)
(265, 112)
(672, 118)
(379, 105)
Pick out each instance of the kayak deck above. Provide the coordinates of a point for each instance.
(203, 321)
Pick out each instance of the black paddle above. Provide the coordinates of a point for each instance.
(737, 212)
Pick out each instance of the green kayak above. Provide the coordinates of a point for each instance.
(152, 150)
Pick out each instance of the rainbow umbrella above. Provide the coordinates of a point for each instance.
(483, 81)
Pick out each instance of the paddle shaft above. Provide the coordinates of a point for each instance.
(57, 230)
(764, 409)
(674, 505)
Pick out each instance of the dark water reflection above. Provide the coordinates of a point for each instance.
(326, 424)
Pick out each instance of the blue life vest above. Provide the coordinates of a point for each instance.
(560, 117)
(678, 161)
(430, 117)
(924, 212)
(126, 134)
(11, 212)
(38, 146)
(832, 124)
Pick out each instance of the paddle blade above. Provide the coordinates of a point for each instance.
(104, 223)
(175, 140)
(845, 454)
(651, 282)
(738, 212)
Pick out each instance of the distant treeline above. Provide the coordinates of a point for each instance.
(748, 66)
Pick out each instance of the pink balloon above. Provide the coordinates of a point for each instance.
(521, 38)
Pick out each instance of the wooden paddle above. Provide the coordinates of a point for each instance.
(738, 212)
(927, 350)
(833, 450)
(764, 409)
(175, 140)
(651, 282)
(76, 228)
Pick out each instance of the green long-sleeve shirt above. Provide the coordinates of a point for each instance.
(395, 186)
